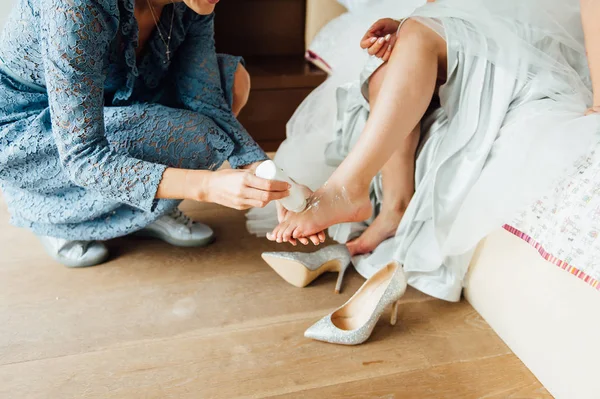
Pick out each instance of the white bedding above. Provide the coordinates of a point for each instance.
(564, 226)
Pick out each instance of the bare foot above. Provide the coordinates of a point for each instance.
(328, 206)
(383, 227)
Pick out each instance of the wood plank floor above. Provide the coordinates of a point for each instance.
(164, 322)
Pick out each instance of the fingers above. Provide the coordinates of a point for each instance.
(253, 181)
(252, 203)
(382, 52)
(387, 54)
(377, 46)
(373, 31)
(304, 241)
(263, 197)
(368, 41)
(386, 50)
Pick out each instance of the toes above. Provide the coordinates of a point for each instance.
(358, 247)
(352, 247)
(321, 236)
(279, 233)
(287, 234)
(315, 240)
(298, 232)
(303, 240)
(272, 236)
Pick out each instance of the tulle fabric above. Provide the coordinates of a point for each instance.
(541, 42)
(533, 132)
(545, 35)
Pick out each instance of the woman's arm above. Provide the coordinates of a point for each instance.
(237, 189)
(75, 40)
(590, 14)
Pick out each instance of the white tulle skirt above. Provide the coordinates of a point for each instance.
(511, 123)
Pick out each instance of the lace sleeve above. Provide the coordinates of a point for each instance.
(75, 38)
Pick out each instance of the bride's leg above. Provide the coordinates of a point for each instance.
(405, 94)
(398, 176)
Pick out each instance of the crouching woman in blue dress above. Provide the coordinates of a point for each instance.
(111, 112)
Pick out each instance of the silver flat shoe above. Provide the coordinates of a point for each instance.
(75, 253)
(179, 230)
(353, 323)
(300, 269)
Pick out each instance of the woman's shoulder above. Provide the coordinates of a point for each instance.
(188, 15)
(83, 8)
(190, 20)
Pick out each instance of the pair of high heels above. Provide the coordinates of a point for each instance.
(353, 322)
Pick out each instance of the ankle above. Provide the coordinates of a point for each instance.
(397, 207)
(351, 191)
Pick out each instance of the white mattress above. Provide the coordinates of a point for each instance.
(548, 317)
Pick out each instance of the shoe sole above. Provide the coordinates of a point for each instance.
(75, 265)
(296, 273)
(203, 242)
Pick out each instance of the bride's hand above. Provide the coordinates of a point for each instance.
(594, 110)
(381, 38)
(283, 213)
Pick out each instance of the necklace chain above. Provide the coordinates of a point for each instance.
(158, 28)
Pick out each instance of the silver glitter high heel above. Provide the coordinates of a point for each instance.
(353, 323)
(301, 269)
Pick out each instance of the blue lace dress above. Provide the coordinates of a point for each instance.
(87, 128)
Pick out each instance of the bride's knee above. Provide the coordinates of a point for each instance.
(376, 81)
(421, 37)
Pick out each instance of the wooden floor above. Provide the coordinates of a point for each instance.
(164, 322)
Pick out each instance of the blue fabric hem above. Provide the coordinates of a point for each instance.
(82, 232)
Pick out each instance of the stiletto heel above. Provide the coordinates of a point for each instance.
(340, 279)
(353, 323)
(300, 269)
(394, 317)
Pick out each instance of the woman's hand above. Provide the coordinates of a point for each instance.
(381, 38)
(283, 213)
(237, 189)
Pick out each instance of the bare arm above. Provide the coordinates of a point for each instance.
(182, 184)
(234, 188)
(590, 15)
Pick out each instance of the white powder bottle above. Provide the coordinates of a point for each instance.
(295, 202)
